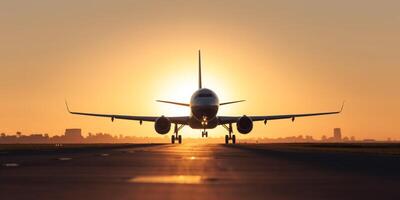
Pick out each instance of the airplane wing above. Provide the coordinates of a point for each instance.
(233, 119)
(175, 120)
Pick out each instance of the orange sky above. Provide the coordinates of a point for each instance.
(281, 56)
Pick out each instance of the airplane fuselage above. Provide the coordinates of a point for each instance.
(204, 105)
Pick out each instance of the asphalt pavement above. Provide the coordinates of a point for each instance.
(196, 171)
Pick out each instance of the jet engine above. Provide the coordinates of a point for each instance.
(244, 125)
(162, 125)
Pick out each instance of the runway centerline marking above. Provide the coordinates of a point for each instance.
(11, 165)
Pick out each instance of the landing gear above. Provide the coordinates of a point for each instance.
(176, 136)
(230, 136)
(204, 133)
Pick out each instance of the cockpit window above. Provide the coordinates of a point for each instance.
(205, 95)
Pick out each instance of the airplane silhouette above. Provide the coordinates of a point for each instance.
(204, 105)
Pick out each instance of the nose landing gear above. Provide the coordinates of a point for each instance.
(176, 137)
(204, 133)
(230, 136)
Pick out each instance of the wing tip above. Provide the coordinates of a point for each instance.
(66, 104)
(341, 109)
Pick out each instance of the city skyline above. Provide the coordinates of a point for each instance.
(128, 54)
(76, 135)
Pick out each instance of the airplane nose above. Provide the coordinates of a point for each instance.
(205, 113)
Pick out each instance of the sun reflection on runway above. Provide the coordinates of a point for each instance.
(175, 179)
(197, 158)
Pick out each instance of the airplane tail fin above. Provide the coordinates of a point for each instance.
(200, 86)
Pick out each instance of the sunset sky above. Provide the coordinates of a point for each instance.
(118, 57)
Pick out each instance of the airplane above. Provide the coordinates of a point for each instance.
(204, 104)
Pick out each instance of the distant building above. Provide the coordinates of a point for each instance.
(73, 132)
(337, 134)
(73, 135)
(323, 138)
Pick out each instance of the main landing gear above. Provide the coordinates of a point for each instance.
(176, 137)
(230, 136)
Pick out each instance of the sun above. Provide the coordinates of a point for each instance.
(180, 79)
(178, 90)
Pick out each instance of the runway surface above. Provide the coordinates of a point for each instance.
(196, 171)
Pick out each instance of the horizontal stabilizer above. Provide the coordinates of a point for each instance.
(221, 104)
(175, 103)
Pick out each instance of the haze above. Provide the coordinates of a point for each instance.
(281, 56)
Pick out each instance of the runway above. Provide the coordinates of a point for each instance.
(196, 171)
